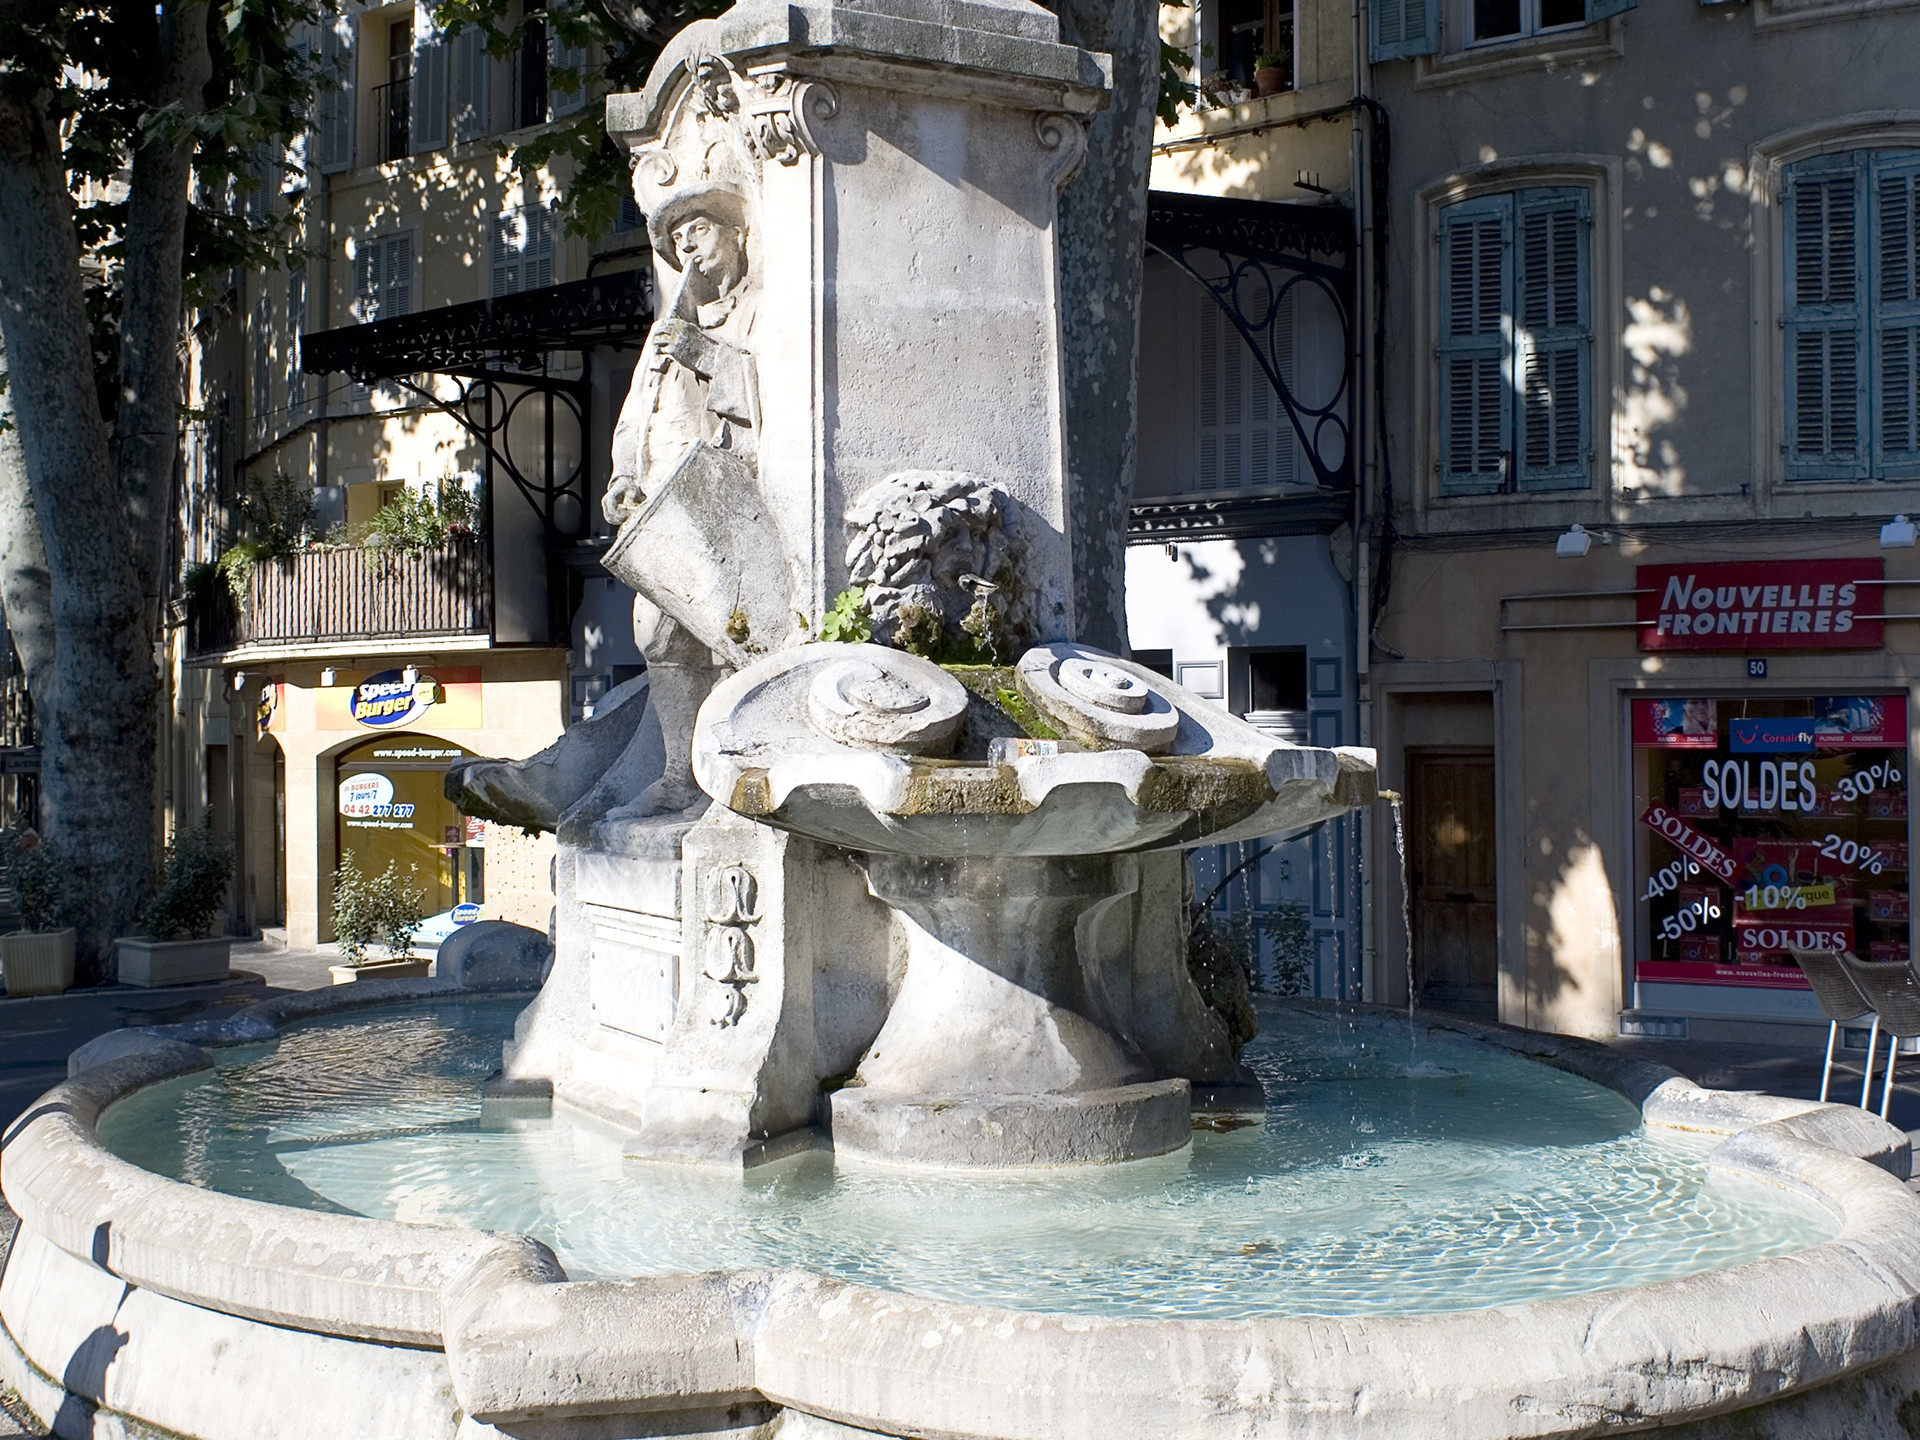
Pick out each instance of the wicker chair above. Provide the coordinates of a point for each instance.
(1894, 992)
(1842, 1003)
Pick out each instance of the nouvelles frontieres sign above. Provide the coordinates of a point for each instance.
(1761, 605)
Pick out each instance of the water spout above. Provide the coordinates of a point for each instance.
(1394, 799)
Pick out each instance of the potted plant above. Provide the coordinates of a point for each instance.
(38, 957)
(369, 908)
(1270, 73)
(176, 947)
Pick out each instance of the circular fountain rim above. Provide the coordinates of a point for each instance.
(508, 1320)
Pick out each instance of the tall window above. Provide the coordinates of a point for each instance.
(523, 249)
(393, 100)
(1853, 316)
(1516, 343)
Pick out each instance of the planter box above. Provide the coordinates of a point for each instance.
(173, 962)
(380, 970)
(37, 962)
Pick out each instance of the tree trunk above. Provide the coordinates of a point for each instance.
(98, 761)
(1103, 228)
(26, 590)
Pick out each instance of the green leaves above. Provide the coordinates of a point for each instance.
(848, 620)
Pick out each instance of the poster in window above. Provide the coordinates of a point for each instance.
(1784, 827)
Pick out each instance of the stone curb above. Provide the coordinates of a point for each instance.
(523, 1342)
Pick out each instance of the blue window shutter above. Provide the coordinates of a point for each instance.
(1825, 377)
(1553, 340)
(333, 106)
(472, 83)
(1605, 9)
(1402, 28)
(1894, 339)
(1475, 354)
(427, 105)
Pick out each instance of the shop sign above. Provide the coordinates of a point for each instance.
(387, 697)
(1690, 841)
(367, 800)
(465, 913)
(1761, 605)
(1757, 935)
(448, 699)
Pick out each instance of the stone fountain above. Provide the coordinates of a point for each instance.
(934, 919)
(936, 915)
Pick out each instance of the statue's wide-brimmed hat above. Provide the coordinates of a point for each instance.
(725, 203)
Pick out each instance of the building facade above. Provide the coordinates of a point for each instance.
(1637, 299)
(402, 444)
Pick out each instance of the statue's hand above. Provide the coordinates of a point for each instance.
(623, 497)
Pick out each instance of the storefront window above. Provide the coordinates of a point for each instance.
(392, 807)
(1768, 823)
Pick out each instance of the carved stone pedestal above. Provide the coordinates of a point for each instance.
(997, 1051)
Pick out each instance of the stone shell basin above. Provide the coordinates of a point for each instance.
(764, 748)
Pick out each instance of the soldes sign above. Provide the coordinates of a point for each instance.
(1689, 841)
(1765, 936)
(1763, 605)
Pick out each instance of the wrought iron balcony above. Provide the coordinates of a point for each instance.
(393, 118)
(321, 597)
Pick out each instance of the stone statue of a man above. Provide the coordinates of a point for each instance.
(690, 423)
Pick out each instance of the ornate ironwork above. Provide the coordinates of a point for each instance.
(476, 338)
(1238, 518)
(1250, 257)
(497, 353)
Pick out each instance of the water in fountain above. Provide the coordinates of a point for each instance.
(1470, 1178)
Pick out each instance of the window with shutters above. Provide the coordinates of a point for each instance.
(1246, 441)
(296, 327)
(1404, 28)
(260, 391)
(1852, 322)
(383, 277)
(472, 83)
(524, 242)
(1516, 343)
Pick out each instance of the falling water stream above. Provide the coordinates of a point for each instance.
(1406, 892)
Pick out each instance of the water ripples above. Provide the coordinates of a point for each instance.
(1397, 1172)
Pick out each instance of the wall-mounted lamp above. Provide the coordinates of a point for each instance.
(239, 681)
(328, 676)
(1896, 534)
(1574, 544)
(410, 675)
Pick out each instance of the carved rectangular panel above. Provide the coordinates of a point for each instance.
(634, 977)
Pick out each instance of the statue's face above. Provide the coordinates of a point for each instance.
(712, 248)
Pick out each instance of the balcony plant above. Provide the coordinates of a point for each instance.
(176, 946)
(38, 957)
(418, 518)
(383, 908)
(1270, 75)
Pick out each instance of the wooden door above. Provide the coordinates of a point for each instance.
(1451, 876)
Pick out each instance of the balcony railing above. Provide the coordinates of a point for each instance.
(393, 117)
(321, 597)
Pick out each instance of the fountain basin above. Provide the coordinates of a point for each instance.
(763, 752)
(122, 1283)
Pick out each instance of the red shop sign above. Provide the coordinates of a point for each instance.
(1690, 841)
(1762, 605)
